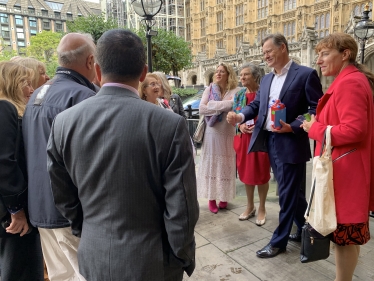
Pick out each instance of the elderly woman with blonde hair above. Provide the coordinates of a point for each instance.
(217, 167)
(40, 75)
(173, 100)
(150, 89)
(20, 255)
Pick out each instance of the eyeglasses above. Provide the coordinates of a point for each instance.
(153, 85)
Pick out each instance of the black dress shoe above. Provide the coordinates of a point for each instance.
(269, 251)
(296, 237)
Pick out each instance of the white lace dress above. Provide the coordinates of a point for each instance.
(216, 170)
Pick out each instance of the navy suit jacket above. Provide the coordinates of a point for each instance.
(300, 93)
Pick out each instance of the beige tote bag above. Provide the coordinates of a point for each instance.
(322, 215)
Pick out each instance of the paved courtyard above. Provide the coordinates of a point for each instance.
(226, 247)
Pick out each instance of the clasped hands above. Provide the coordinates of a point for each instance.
(233, 118)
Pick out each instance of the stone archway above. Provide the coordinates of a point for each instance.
(325, 81)
(369, 57)
(208, 76)
(192, 78)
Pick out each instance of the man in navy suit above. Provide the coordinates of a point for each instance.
(299, 89)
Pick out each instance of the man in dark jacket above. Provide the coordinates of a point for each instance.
(177, 105)
(71, 85)
(127, 184)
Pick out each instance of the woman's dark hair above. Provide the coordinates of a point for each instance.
(341, 42)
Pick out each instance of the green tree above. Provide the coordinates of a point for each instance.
(6, 52)
(43, 46)
(95, 25)
(170, 53)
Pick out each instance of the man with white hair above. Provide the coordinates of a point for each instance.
(71, 85)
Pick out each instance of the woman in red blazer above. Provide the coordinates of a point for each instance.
(347, 106)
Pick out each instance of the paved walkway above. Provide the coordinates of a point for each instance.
(226, 247)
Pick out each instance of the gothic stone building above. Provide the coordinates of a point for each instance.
(230, 31)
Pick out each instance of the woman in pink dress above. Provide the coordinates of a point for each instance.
(216, 172)
(253, 168)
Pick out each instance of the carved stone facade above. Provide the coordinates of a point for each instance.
(230, 31)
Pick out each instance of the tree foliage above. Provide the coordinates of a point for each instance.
(95, 25)
(184, 92)
(43, 46)
(170, 53)
(6, 52)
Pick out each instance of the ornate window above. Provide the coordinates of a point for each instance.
(261, 35)
(188, 32)
(289, 5)
(239, 9)
(220, 44)
(262, 9)
(239, 40)
(359, 9)
(289, 31)
(322, 25)
(202, 26)
(219, 21)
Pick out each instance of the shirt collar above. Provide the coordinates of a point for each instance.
(132, 89)
(284, 69)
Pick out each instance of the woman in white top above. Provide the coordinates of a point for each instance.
(216, 173)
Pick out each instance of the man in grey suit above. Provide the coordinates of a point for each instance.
(126, 184)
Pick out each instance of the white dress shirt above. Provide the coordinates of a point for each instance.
(275, 89)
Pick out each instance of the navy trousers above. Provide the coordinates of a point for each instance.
(291, 182)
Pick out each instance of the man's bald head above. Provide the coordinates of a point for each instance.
(76, 51)
(74, 48)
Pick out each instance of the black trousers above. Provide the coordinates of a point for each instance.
(21, 258)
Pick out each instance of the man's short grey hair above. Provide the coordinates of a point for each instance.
(77, 55)
(256, 71)
(278, 40)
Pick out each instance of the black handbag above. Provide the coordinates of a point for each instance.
(314, 246)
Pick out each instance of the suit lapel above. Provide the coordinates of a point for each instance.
(265, 97)
(291, 75)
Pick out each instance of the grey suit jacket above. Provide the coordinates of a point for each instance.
(122, 173)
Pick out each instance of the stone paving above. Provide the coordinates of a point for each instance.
(226, 247)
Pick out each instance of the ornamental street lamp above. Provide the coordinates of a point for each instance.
(364, 29)
(147, 9)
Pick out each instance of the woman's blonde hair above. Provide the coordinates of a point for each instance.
(165, 85)
(13, 78)
(145, 83)
(33, 64)
(232, 81)
(341, 42)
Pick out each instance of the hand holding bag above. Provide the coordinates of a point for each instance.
(198, 136)
(322, 216)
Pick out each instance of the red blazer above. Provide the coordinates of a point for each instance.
(348, 107)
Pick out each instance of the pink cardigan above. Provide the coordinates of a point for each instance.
(348, 106)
